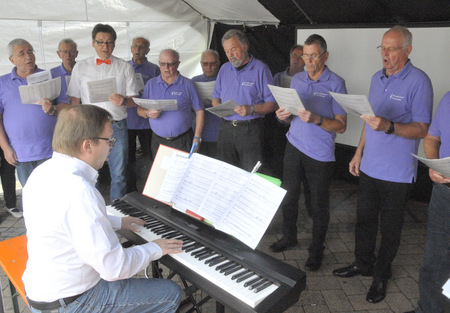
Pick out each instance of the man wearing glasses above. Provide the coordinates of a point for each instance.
(76, 262)
(105, 65)
(173, 128)
(210, 63)
(26, 129)
(67, 52)
(401, 97)
(310, 148)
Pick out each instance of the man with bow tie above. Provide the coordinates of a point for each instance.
(104, 65)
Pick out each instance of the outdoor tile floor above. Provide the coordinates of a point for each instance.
(324, 292)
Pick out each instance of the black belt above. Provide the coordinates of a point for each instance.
(42, 306)
(241, 123)
(173, 138)
(113, 122)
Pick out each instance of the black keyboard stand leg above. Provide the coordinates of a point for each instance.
(156, 270)
(220, 308)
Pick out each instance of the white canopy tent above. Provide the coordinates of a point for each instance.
(186, 26)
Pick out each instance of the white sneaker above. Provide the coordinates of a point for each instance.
(15, 212)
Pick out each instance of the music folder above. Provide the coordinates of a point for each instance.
(237, 202)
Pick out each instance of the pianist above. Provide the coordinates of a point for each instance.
(76, 263)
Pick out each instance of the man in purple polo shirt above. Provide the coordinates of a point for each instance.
(401, 97)
(138, 127)
(26, 131)
(310, 148)
(244, 79)
(210, 63)
(436, 264)
(67, 51)
(173, 128)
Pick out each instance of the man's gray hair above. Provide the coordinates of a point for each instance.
(68, 41)
(211, 51)
(239, 34)
(318, 40)
(17, 42)
(406, 34)
(174, 53)
(147, 42)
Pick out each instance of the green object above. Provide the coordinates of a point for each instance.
(273, 180)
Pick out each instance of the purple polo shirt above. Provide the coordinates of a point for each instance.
(60, 71)
(173, 123)
(440, 126)
(277, 77)
(212, 121)
(313, 140)
(147, 70)
(405, 97)
(247, 86)
(29, 129)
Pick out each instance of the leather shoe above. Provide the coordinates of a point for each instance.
(350, 271)
(411, 311)
(283, 244)
(313, 264)
(377, 291)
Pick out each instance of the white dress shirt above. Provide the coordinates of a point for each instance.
(71, 239)
(87, 70)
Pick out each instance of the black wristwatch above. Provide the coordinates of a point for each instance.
(320, 121)
(391, 129)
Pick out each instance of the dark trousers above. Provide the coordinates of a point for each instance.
(183, 142)
(241, 145)
(318, 174)
(209, 148)
(133, 169)
(386, 201)
(8, 178)
(436, 263)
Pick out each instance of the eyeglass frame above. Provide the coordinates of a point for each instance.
(162, 64)
(22, 54)
(111, 141)
(390, 49)
(102, 43)
(312, 57)
(209, 63)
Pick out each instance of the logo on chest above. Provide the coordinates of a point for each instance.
(176, 93)
(320, 94)
(247, 84)
(396, 97)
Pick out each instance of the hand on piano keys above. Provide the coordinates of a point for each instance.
(132, 223)
(169, 246)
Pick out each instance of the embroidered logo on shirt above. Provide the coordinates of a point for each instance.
(396, 97)
(176, 93)
(248, 84)
(320, 94)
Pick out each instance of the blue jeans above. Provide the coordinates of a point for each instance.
(126, 296)
(118, 160)
(436, 264)
(24, 170)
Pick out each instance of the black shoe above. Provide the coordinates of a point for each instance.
(350, 271)
(313, 264)
(411, 311)
(283, 244)
(377, 291)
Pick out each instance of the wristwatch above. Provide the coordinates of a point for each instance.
(198, 138)
(53, 112)
(320, 121)
(253, 109)
(391, 129)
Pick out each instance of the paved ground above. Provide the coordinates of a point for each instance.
(324, 292)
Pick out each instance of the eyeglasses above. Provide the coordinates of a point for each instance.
(70, 52)
(162, 64)
(111, 141)
(313, 57)
(208, 63)
(21, 54)
(389, 50)
(102, 43)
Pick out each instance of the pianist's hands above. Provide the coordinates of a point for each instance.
(169, 246)
(132, 223)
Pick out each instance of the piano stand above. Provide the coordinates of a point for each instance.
(188, 291)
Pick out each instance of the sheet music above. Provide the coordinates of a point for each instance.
(34, 93)
(439, 165)
(100, 90)
(356, 104)
(287, 98)
(285, 81)
(224, 109)
(39, 77)
(446, 289)
(205, 91)
(176, 166)
(139, 82)
(158, 105)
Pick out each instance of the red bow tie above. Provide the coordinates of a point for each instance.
(100, 61)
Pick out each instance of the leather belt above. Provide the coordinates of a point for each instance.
(241, 123)
(173, 138)
(42, 306)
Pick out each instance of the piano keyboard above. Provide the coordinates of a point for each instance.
(231, 276)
